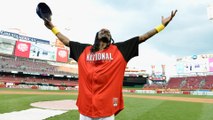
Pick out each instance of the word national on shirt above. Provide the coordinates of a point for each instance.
(99, 57)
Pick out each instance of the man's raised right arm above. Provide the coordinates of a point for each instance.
(58, 34)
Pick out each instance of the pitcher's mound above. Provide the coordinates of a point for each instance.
(57, 105)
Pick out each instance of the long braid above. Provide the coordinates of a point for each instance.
(95, 46)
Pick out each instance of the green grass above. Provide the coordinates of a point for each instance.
(144, 109)
(14, 102)
(135, 108)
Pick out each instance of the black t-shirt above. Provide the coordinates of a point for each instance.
(128, 48)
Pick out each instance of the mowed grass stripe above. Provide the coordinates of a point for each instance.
(135, 108)
(173, 110)
(207, 112)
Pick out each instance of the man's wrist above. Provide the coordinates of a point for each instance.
(159, 27)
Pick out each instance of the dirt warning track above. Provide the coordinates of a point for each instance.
(183, 99)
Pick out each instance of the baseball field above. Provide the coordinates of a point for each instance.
(137, 106)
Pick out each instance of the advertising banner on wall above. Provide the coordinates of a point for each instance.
(192, 66)
(38, 51)
(62, 55)
(43, 52)
(210, 64)
(22, 49)
(6, 46)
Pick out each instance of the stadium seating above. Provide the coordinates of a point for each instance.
(37, 80)
(208, 83)
(9, 64)
(191, 83)
(184, 83)
(174, 83)
(22, 70)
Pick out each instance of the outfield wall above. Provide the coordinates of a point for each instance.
(175, 91)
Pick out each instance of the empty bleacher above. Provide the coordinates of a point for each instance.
(185, 83)
(8, 64)
(30, 71)
(27, 79)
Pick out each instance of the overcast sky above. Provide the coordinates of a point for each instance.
(190, 32)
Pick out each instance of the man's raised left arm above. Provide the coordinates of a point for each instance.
(164, 23)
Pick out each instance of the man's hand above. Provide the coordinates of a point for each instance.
(165, 21)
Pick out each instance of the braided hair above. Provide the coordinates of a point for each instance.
(95, 46)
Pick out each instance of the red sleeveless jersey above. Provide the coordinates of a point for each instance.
(101, 77)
